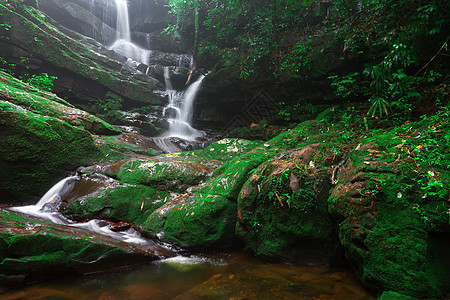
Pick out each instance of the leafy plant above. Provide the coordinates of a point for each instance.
(42, 81)
(109, 104)
(379, 105)
(345, 85)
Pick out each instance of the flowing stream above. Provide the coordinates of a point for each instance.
(179, 110)
(48, 206)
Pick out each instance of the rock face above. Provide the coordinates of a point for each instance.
(43, 137)
(36, 148)
(97, 19)
(86, 70)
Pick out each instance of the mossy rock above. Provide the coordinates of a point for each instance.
(394, 296)
(194, 221)
(123, 203)
(282, 209)
(392, 210)
(88, 62)
(48, 104)
(231, 176)
(173, 174)
(228, 148)
(179, 171)
(36, 149)
(118, 148)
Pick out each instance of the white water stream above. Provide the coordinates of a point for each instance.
(47, 209)
(179, 110)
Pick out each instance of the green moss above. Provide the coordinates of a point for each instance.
(36, 149)
(392, 210)
(283, 214)
(174, 175)
(395, 296)
(195, 221)
(124, 203)
(231, 176)
(36, 253)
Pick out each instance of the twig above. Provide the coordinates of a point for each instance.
(442, 47)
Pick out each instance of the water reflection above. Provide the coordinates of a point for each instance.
(219, 276)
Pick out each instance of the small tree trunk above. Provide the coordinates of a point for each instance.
(195, 50)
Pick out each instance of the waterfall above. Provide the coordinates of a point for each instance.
(62, 187)
(167, 80)
(123, 23)
(179, 110)
(123, 44)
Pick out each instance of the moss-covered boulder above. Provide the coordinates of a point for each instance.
(194, 221)
(130, 203)
(150, 182)
(36, 149)
(391, 204)
(282, 208)
(33, 249)
(48, 104)
(179, 171)
(167, 173)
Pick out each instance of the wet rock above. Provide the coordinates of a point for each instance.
(120, 226)
(129, 203)
(81, 18)
(33, 250)
(52, 205)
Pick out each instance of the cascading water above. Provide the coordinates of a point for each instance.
(182, 105)
(48, 206)
(123, 24)
(123, 44)
(178, 113)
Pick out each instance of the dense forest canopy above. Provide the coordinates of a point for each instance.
(395, 46)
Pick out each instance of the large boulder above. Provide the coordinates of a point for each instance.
(36, 149)
(391, 204)
(157, 193)
(43, 137)
(282, 208)
(194, 221)
(128, 203)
